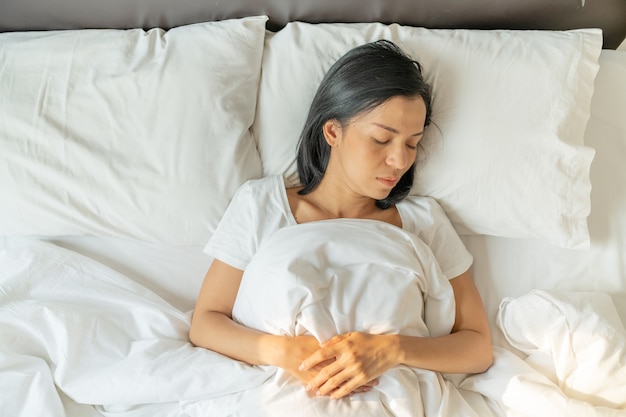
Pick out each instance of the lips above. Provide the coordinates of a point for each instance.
(388, 181)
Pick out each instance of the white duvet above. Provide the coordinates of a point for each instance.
(79, 339)
(336, 276)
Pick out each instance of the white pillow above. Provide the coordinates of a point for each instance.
(505, 156)
(125, 132)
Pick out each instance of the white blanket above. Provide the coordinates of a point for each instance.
(79, 339)
(574, 349)
(74, 331)
(336, 276)
(580, 346)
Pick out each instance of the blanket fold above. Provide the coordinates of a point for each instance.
(77, 332)
(74, 328)
(80, 339)
(336, 276)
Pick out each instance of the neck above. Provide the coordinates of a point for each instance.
(338, 201)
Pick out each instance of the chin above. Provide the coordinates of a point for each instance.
(381, 195)
(377, 191)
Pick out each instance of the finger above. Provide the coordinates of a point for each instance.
(318, 358)
(361, 389)
(332, 387)
(374, 382)
(344, 382)
(366, 387)
(323, 364)
(346, 388)
(322, 377)
(333, 340)
(339, 385)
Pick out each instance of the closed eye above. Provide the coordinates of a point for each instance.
(384, 142)
(394, 131)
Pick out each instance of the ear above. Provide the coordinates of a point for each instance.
(332, 132)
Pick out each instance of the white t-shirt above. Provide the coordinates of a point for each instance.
(260, 207)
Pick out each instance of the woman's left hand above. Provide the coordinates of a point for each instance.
(359, 359)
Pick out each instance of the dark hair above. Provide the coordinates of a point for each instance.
(359, 81)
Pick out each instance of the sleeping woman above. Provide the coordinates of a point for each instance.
(356, 160)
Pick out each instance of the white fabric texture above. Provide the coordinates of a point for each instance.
(577, 338)
(73, 328)
(574, 349)
(512, 267)
(520, 390)
(72, 325)
(124, 132)
(502, 267)
(505, 155)
(334, 276)
(260, 208)
(79, 339)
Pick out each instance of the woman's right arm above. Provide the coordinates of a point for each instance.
(212, 327)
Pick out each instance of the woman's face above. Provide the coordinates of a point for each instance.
(373, 150)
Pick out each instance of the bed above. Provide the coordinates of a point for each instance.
(126, 128)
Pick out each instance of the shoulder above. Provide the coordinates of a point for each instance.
(421, 202)
(420, 212)
(260, 193)
(426, 218)
(261, 187)
(256, 211)
(261, 201)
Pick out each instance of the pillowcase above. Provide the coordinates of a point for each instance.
(505, 154)
(127, 133)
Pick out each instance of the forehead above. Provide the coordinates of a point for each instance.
(397, 112)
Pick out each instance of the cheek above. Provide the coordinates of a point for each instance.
(359, 156)
(365, 158)
(369, 151)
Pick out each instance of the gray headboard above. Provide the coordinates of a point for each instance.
(609, 15)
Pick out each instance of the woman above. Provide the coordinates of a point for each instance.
(355, 160)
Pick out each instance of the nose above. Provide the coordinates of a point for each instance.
(399, 157)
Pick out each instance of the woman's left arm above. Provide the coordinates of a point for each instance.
(361, 357)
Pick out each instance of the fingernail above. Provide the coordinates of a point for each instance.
(308, 388)
(301, 367)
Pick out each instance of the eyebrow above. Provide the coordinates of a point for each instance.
(392, 130)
